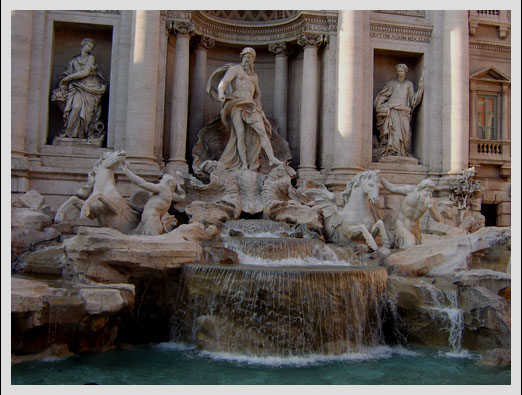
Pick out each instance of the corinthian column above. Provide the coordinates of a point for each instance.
(347, 148)
(180, 91)
(143, 85)
(280, 86)
(455, 80)
(309, 102)
(201, 45)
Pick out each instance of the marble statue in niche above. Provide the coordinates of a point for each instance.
(394, 106)
(418, 199)
(79, 94)
(242, 114)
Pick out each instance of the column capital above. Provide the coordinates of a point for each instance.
(203, 42)
(278, 48)
(180, 28)
(312, 40)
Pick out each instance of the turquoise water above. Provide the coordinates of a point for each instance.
(176, 364)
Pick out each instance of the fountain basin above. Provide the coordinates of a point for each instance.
(280, 310)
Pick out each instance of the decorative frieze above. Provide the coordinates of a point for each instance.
(400, 32)
(252, 15)
(271, 31)
(177, 15)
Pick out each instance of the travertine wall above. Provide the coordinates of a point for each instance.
(148, 116)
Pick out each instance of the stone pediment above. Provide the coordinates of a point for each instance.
(490, 74)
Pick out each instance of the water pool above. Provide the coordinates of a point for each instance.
(177, 364)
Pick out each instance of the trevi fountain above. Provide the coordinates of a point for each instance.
(240, 272)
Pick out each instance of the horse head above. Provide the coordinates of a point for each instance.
(370, 185)
(111, 160)
(367, 181)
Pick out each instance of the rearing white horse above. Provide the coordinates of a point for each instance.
(355, 217)
(105, 202)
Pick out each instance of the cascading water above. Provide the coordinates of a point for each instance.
(277, 309)
(446, 302)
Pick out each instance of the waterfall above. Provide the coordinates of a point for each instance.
(446, 303)
(280, 310)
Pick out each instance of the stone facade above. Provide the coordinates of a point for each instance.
(319, 72)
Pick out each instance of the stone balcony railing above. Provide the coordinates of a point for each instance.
(490, 152)
(498, 18)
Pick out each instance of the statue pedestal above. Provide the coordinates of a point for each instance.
(407, 160)
(76, 142)
(401, 169)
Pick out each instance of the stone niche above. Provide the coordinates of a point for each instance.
(67, 37)
(384, 62)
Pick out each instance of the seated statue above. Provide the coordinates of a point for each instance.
(155, 219)
(417, 200)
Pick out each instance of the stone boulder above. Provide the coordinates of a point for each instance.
(496, 357)
(34, 201)
(108, 256)
(31, 223)
(49, 260)
(443, 255)
(453, 312)
(45, 312)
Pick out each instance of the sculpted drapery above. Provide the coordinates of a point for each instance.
(394, 106)
(250, 113)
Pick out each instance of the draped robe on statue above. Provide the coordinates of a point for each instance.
(82, 108)
(394, 105)
(251, 113)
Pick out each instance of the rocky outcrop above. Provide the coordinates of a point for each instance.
(31, 223)
(496, 357)
(108, 256)
(442, 300)
(45, 313)
(443, 255)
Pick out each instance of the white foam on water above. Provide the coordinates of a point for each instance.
(374, 353)
(174, 346)
(56, 359)
(251, 260)
(465, 354)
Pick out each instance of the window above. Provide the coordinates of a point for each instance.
(488, 125)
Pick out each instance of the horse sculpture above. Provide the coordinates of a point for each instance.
(104, 201)
(355, 217)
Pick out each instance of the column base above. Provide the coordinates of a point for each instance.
(308, 173)
(143, 164)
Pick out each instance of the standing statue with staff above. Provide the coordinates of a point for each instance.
(394, 106)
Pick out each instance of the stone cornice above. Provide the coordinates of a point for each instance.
(400, 32)
(415, 13)
(112, 12)
(490, 46)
